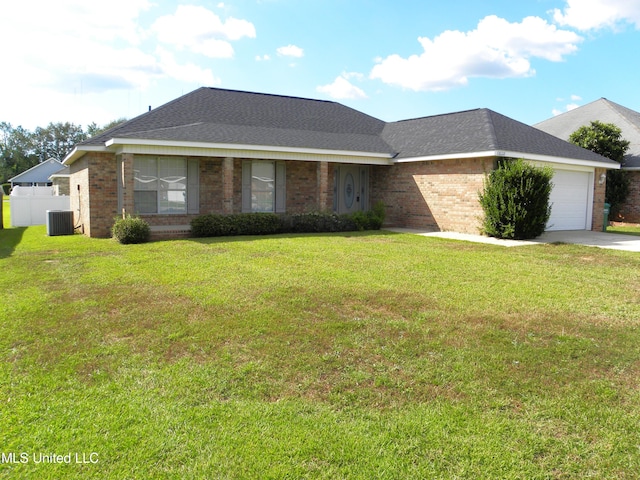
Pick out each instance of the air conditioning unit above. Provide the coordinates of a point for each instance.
(59, 222)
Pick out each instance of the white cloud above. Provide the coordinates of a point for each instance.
(201, 31)
(262, 58)
(69, 53)
(567, 108)
(93, 47)
(342, 88)
(496, 49)
(291, 51)
(97, 50)
(189, 73)
(595, 14)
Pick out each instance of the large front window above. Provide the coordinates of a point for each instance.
(160, 184)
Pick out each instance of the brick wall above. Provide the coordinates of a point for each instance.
(79, 198)
(93, 195)
(630, 210)
(103, 193)
(211, 191)
(302, 187)
(439, 195)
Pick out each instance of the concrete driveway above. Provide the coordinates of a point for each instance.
(615, 241)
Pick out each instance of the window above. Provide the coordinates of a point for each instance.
(263, 186)
(160, 184)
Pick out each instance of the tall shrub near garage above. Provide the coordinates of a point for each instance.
(515, 200)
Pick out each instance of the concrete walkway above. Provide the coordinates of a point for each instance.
(613, 241)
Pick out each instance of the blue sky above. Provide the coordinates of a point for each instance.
(89, 61)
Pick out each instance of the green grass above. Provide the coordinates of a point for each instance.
(367, 355)
(625, 229)
(6, 217)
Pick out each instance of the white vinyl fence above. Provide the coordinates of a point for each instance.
(29, 205)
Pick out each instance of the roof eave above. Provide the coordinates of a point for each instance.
(512, 154)
(136, 145)
(79, 151)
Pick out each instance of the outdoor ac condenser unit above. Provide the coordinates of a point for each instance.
(59, 222)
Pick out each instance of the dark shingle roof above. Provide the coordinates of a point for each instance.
(213, 115)
(218, 116)
(473, 131)
(604, 111)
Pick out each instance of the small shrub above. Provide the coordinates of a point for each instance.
(371, 219)
(6, 188)
(131, 230)
(516, 200)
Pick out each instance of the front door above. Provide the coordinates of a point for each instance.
(352, 188)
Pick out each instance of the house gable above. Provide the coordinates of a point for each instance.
(40, 173)
(605, 111)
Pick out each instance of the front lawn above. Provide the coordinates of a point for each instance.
(365, 355)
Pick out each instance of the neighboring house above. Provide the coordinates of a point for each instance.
(38, 176)
(226, 151)
(60, 182)
(627, 120)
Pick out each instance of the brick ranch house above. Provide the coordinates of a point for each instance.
(628, 121)
(225, 151)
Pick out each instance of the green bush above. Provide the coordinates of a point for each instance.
(131, 230)
(515, 200)
(215, 225)
(315, 222)
(6, 188)
(371, 219)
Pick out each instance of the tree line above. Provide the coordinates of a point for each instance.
(21, 149)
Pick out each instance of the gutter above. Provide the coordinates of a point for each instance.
(511, 154)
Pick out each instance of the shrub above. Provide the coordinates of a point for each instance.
(515, 200)
(131, 230)
(6, 188)
(315, 222)
(215, 225)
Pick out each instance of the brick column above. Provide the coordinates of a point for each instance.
(323, 186)
(598, 200)
(126, 187)
(227, 185)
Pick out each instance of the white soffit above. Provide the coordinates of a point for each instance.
(505, 154)
(147, 147)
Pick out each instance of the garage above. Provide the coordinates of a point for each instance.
(570, 200)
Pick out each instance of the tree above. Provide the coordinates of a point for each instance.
(93, 129)
(606, 140)
(16, 151)
(57, 140)
(21, 149)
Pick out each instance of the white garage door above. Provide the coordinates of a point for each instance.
(570, 200)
